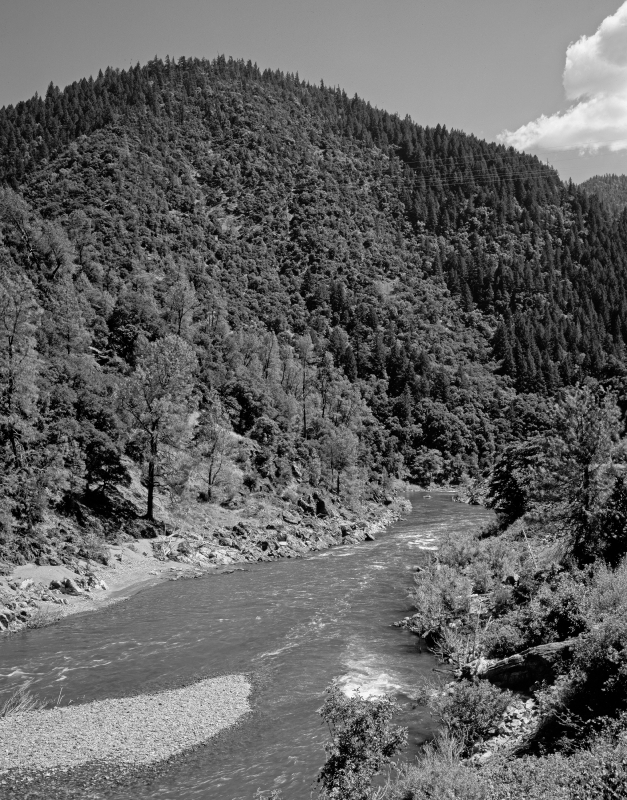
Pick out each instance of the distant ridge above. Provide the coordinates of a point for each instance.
(611, 190)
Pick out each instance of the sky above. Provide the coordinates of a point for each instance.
(547, 76)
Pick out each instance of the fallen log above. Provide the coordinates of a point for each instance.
(523, 670)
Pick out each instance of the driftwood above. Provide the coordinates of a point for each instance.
(522, 670)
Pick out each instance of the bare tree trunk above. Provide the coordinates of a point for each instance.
(151, 490)
(152, 478)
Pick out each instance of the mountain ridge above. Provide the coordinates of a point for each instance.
(355, 293)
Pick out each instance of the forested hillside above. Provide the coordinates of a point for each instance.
(611, 190)
(227, 278)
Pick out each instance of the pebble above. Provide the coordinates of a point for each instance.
(131, 730)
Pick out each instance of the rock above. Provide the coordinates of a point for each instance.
(292, 519)
(324, 507)
(71, 587)
(103, 585)
(226, 541)
(55, 585)
(369, 537)
(308, 508)
(27, 583)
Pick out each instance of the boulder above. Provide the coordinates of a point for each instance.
(305, 506)
(292, 519)
(324, 506)
(54, 584)
(70, 586)
(369, 537)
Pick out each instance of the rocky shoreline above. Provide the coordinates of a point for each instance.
(34, 596)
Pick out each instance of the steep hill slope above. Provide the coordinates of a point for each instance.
(239, 281)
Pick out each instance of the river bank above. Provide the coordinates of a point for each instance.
(34, 595)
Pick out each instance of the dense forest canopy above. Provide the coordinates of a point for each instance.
(194, 247)
(611, 190)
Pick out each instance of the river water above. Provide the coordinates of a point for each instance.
(294, 626)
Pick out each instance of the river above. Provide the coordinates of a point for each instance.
(294, 626)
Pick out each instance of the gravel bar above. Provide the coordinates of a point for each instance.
(131, 730)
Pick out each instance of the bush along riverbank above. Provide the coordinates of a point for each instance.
(530, 619)
(264, 528)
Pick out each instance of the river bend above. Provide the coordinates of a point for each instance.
(292, 625)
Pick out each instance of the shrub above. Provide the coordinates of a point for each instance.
(457, 551)
(606, 533)
(481, 576)
(440, 596)
(439, 772)
(608, 593)
(458, 645)
(546, 778)
(556, 612)
(598, 679)
(468, 709)
(503, 640)
(601, 774)
(502, 600)
(43, 617)
(363, 742)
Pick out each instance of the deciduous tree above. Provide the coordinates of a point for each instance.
(159, 399)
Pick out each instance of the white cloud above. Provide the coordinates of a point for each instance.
(595, 78)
